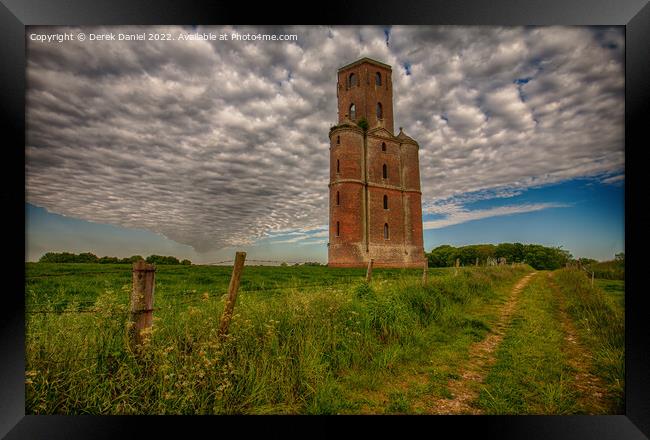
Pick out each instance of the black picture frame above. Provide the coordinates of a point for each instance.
(16, 14)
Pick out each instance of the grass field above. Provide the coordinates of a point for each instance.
(304, 340)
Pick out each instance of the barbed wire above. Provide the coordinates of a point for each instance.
(124, 272)
(63, 311)
(189, 295)
(220, 262)
(262, 261)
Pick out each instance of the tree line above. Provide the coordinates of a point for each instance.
(538, 256)
(87, 257)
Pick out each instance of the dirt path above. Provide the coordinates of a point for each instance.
(588, 386)
(466, 388)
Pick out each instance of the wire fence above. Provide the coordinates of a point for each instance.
(170, 300)
(189, 297)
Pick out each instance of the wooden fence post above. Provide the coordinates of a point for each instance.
(237, 270)
(456, 266)
(144, 283)
(425, 272)
(592, 279)
(369, 271)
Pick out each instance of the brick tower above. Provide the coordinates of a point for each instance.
(375, 197)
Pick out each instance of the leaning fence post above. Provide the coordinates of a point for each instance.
(425, 272)
(592, 279)
(369, 271)
(144, 282)
(237, 269)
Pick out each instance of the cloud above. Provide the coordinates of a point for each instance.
(614, 179)
(455, 214)
(221, 143)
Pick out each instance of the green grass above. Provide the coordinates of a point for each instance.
(598, 313)
(614, 292)
(299, 338)
(610, 270)
(531, 375)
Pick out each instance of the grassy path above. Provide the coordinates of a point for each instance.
(450, 381)
(465, 389)
(544, 365)
(589, 387)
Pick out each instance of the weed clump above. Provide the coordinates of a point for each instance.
(364, 290)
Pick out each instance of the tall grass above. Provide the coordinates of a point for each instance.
(286, 351)
(601, 326)
(608, 270)
(531, 375)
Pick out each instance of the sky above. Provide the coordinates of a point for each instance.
(200, 148)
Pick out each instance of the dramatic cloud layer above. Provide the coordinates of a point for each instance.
(220, 143)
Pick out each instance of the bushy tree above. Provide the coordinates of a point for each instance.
(443, 256)
(160, 259)
(538, 256)
(67, 257)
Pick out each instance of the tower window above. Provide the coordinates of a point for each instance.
(383, 146)
(338, 229)
(379, 111)
(385, 231)
(353, 80)
(353, 112)
(378, 78)
(338, 166)
(385, 171)
(338, 198)
(338, 140)
(385, 201)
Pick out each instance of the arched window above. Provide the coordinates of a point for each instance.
(353, 112)
(353, 80)
(385, 201)
(385, 171)
(338, 140)
(378, 78)
(338, 166)
(383, 146)
(338, 229)
(385, 231)
(338, 198)
(379, 111)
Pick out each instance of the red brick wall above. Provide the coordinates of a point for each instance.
(366, 94)
(379, 216)
(347, 213)
(411, 165)
(349, 153)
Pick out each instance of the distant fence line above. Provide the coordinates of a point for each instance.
(141, 304)
(192, 297)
